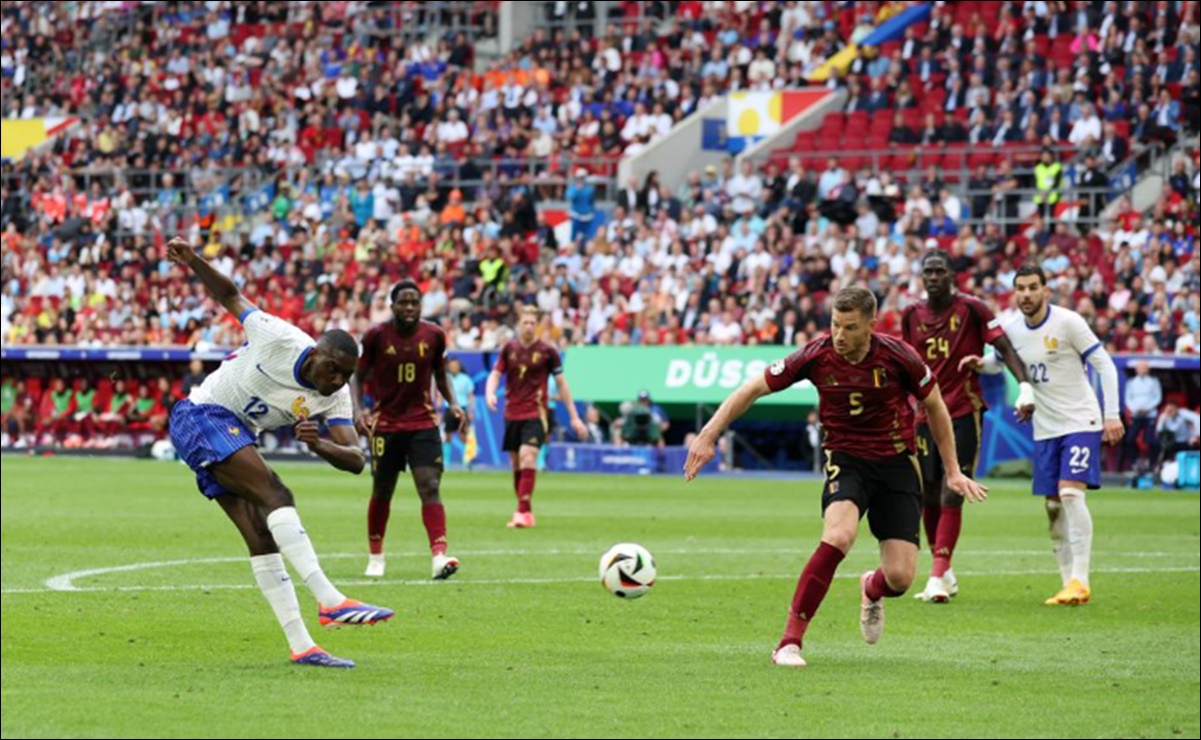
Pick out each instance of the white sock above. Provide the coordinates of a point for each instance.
(1080, 532)
(1059, 539)
(294, 543)
(276, 585)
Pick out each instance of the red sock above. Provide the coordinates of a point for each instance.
(517, 481)
(878, 588)
(948, 537)
(525, 491)
(810, 592)
(434, 518)
(378, 510)
(931, 516)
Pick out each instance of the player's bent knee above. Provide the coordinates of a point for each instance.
(899, 579)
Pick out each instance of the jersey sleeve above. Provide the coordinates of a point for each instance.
(264, 329)
(1082, 337)
(342, 413)
(907, 334)
(916, 375)
(989, 322)
(794, 368)
(555, 362)
(502, 362)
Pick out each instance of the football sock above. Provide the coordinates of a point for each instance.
(949, 524)
(1080, 532)
(294, 543)
(931, 516)
(525, 490)
(378, 512)
(276, 585)
(810, 592)
(433, 516)
(1059, 539)
(878, 588)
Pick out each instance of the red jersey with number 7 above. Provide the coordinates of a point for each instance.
(527, 371)
(865, 408)
(400, 370)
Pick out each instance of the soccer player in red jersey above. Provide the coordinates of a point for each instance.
(864, 382)
(945, 329)
(527, 364)
(401, 361)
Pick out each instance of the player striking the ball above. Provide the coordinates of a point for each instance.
(279, 378)
(527, 363)
(1069, 426)
(402, 360)
(944, 329)
(864, 383)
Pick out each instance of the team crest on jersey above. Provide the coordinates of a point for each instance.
(537, 356)
(391, 351)
(954, 323)
(421, 348)
(880, 377)
(831, 381)
(1051, 343)
(235, 431)
(300, 408)
(777, 368)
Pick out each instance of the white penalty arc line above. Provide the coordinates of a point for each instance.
(65, 583)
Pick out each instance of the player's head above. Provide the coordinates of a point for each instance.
(454, 366)
(406, 303)
(333, 362)
(938, 275)
(1030, 289)
(527, 324)
(853, 321)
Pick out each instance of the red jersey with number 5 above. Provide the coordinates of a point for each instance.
(865, 408)
(944, 340)
(527, 371)
(401, 375)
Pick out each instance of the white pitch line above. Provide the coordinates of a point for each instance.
(537, 581)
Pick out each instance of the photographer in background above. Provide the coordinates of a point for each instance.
(643, 424)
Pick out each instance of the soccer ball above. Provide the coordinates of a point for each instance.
(628, 571)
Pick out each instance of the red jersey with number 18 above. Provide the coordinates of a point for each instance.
(401, 370)
(865, 408)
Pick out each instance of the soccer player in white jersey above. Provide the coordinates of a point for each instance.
(281, 377)
(1069, 425)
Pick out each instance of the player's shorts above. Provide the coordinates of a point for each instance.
(967, 444)
(1076, 458)
(394, 452)
(530, 432)
(205, 436)
(888, 492)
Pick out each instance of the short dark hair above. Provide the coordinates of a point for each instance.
(403, 285)
(937, 254)
(1029, 269)
(338, 342)
(856, 299)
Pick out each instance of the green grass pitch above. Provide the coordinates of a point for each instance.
(166, 635)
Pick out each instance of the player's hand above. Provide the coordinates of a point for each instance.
(1114, 433)
(580, 429)
(460, 418)
(1024, 407)
(971, 362)
(366, 423)
(179, 251)
(492, 402)
(700, 453)
(308, 432)
(967, 488)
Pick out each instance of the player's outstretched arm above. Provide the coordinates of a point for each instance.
(944, 437)
(703, 448)
(1024, 407)
(341, 450)
(221, 288)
